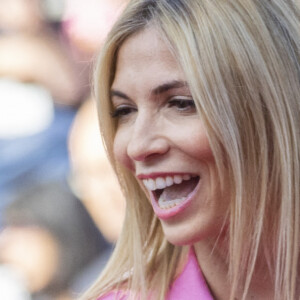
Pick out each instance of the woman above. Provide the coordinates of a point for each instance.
(204, 137)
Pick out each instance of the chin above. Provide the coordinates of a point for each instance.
(182, 238)
(181, 242)
(185, 235)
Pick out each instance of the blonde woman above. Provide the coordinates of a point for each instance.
(199, 106)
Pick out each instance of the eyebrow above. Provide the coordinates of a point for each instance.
(118, 94)
(175, 84)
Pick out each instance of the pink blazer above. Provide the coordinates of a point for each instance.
(189, 285)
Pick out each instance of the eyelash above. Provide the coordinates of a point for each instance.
(180, 104)
(122, 111)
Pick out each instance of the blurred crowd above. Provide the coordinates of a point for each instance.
(61, 209)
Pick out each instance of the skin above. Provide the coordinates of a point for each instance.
(159, 131)
(33, 252)
(28, 58)
(20, 15)
(177, 141)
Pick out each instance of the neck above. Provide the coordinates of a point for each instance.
(213, 259)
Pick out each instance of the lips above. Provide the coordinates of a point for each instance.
(170, 193)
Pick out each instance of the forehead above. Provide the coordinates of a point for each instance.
(148, 42)
(146, 51)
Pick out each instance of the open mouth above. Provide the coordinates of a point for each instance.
(171, 191)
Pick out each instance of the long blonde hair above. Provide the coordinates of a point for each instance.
(242, 63)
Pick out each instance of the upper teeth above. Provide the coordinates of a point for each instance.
(163, 182)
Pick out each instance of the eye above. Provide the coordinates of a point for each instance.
(184, 105)
(122, 111)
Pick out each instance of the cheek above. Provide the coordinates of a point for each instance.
(197, 144)
(120, 150)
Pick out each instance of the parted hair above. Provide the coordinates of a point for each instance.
(241, 60)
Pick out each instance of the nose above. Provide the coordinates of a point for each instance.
(147, 139)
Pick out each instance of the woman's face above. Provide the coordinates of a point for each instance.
(162, 141)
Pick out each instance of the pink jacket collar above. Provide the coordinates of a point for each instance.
(189, 285)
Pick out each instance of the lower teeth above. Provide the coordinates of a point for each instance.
(166, 204)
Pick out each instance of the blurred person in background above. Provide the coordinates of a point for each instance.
(20, 16)
(50, 241)
(33, 125)
(85, 26)
(44, 78)
(86, 23)
(46, 47)
(92, 177)
(45, 59)
(39, 94)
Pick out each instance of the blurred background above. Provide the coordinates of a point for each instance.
(61, 209)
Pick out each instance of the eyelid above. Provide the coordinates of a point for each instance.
(186, 105)
(180, 97)
(118, 101)
(119, 109)
(123, 105)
